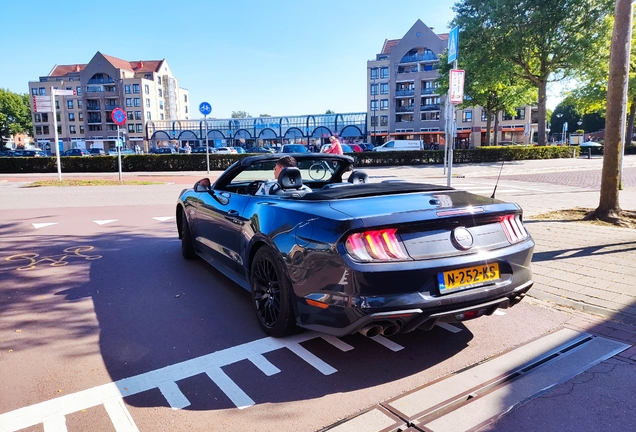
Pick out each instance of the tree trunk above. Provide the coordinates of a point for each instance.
(608, 208)
(496, 132)
(541, 113)
(488, 126)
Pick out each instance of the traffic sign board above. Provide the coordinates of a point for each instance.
(205, 108)
(119, 116)
(42, 104)
(453, 44)
(456, 86)
(62, 92)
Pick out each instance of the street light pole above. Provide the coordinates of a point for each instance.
(375, 117)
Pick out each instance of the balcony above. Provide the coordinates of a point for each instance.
(110, 107)
(94, 119)
(95, 89)
(430, 91)
(429, 107)
(407, 108)
(407, 69)
(405, 92)
(93, 107)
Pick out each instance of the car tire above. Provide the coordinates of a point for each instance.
(187, 246)
(270, 295)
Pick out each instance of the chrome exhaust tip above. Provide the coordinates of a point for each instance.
(371, 330)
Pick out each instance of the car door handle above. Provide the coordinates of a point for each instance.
(233, 213)
(233, 216)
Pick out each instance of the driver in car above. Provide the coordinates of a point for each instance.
(284, 162)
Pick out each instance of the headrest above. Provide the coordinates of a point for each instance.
(290, 178)
(359, 177)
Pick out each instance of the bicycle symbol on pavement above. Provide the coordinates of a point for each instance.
(55, 260)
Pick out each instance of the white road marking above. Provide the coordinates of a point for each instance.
(170, 390)
(342, 346)
(499, 312)
(55, 423)
(42, 225)
(119, 415)
(229, 387)
(450, 328)
(311, 359)
(105, 221)
(387, 343)
(264, 365)
(163, 218)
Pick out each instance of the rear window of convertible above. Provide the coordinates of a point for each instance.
(310, 169)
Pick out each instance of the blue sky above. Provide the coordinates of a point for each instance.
(282, 57)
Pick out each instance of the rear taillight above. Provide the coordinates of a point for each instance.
(376, 245)
(514, 229)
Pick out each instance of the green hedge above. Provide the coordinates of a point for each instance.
(197, 162)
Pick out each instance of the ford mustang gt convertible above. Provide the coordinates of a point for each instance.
(332, 250)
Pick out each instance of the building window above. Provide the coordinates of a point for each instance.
(42, 91)
(160, 93)
(160, 104)
(79, 103)
(34, 91)
(374, 73)
(71, 116)
(374, 89)
(137, 115)
(129, 115)
(384, 104)
(374, 120)
(72, 130)
(137, 102)
(69, 104)
(78, 91)
(127, 89)
(37, 118)
(131, 127)
(82, 129)
(38, 130)
(128, 102)
(80, 116)
(59, 130)
(45, 130)
(159, 80)
(45, 117)
(374, 105)
(161, 116)
(148, 76)
(521, 113)
(146, 89)
(429, 115)
(136, 88)
(186, 110)
(57, 117)
(384, 120)
(139, 128)
(384, 72)
(185, 98)
(384, 88)
(147, 103)
(506, 116)
(57, 104)
(148, 116)
(467, 116)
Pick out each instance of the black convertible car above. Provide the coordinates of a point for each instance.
(350, 255)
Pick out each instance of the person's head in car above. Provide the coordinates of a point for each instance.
(284, 162)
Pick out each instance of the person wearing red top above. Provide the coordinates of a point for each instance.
(335, 148)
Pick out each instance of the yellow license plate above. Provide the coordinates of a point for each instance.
(456, 280)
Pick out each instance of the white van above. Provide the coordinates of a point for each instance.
(399, 145)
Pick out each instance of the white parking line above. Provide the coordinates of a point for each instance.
(119, 415)
(42, 225)
(387, 343)
(229, 387)
(450, 328)
(163, 218)
(105, 221)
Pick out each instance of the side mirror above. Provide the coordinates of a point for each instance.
(202, 185)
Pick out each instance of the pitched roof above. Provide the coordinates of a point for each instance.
(61, 70)
(134, 66)
(390, 43)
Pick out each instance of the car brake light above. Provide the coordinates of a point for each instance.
(376, 245)
(514, 229)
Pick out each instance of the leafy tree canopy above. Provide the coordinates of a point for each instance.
(15, 113)
(240, 114)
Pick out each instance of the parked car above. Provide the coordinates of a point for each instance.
(352, 255)
(399, 145)
(263, 150)
(7, 153)
(366, 146)
(203, 150)
(124, 151)
(97, 152)
(293, 148)
(345, 148)
(239, 150)
(356, 148)
(163, 150)
(28, 153)
(76, 152)
(226, 150)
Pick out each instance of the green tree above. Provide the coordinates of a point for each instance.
(545, 40)
(329, 112)
(489, 82)
(15, 113)
(240, 114)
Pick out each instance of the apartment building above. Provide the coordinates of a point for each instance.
(145, 89)
(403, 100)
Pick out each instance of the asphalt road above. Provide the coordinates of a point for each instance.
(96, 301)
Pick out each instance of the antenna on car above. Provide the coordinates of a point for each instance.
(500, 169)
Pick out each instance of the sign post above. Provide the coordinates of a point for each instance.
(58, 150)
(455, 96)
(205, 109)
(119, 117)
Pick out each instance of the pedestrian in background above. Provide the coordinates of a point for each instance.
(335, 148)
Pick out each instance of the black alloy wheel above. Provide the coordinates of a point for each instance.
(270, 295)
(187, 247)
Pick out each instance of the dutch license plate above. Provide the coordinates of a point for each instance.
(457, 280)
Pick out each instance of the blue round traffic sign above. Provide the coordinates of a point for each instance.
(119, 116)
(205, 108)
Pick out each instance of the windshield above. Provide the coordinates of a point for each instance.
(312, 169)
